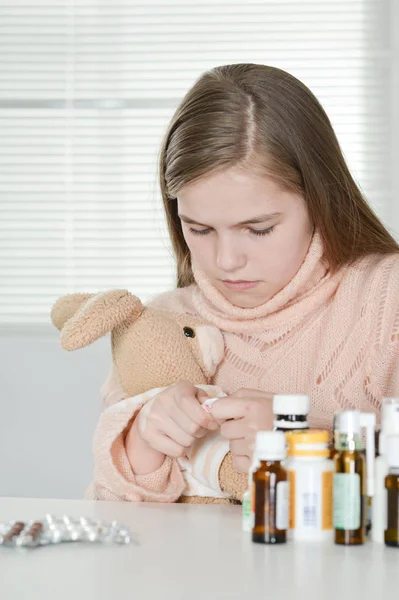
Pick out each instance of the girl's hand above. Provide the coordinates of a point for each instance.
(241, 415)
(174, 419)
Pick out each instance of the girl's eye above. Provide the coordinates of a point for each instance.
(199, 231)
(262, 231)
(253, 231)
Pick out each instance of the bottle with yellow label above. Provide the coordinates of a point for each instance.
(310, 474)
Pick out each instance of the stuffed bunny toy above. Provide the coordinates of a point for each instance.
(151, 348)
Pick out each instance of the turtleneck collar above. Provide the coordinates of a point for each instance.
(312, 286)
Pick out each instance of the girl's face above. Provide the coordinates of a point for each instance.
(246, 233)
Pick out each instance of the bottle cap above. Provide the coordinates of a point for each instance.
(389, 421)
(389, 400)
(348, 421)
(270, 445)
(313, 442)
(291, 404)
(392, 447)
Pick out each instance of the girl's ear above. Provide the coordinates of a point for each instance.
(84, 318)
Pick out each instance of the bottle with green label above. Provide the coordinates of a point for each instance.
(353, 479)
(248, 502)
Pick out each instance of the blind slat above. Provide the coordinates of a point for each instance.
(87, 91)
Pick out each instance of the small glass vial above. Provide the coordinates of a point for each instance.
(353, 479)
(391, 534)
(290, 412)
(389, 426)
(271, 489)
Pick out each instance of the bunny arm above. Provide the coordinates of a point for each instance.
(232, 481)
(113, 475)
(206, 500)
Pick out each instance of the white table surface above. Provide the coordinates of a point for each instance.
(187, 552)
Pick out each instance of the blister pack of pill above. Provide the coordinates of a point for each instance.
(52, 530)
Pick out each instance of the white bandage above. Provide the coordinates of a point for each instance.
(207, 405)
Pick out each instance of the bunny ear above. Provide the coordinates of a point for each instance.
(97, 315)
(66, 306)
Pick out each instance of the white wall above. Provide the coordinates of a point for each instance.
(48, 411)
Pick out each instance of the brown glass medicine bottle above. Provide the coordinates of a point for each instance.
(391, 534)
(350, 481)
(271, 489)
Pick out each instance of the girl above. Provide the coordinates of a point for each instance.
(276, 246)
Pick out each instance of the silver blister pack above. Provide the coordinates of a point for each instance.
(57, 530)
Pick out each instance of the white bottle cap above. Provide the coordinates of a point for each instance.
(389, 421)
(392, 447)
(390, 400)
(270, 445)
(390, 415)
(291, 404)
(348, 422)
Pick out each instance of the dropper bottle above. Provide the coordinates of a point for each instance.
(391, 534)
(389, 427)
(354, 475)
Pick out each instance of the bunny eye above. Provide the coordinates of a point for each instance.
(188, 332)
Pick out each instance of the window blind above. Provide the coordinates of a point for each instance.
(87, 88)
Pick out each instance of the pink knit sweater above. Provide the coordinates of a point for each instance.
(334, 337)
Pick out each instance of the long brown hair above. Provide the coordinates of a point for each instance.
(264, 120)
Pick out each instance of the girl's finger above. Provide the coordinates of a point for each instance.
(164, 444)
(187, 424)
(241, 463)
(241, 447)
(176, 433)
(229, 408)
(234, 429)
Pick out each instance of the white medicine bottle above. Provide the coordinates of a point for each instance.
(310, 475)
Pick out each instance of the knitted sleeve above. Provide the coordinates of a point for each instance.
(197, 476)
(113, 475)
(382, 375)
(111, 392)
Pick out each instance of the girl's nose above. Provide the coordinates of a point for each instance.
(229, 256)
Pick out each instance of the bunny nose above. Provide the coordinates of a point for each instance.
(211, 343)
